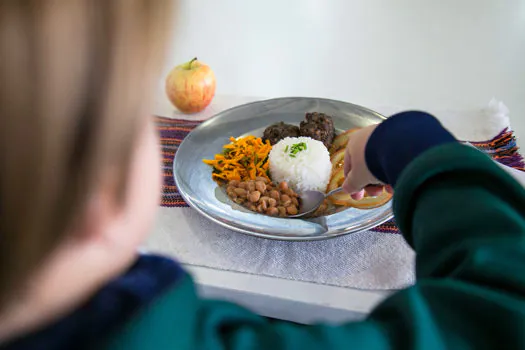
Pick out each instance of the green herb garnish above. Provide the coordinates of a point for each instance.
(296, 148)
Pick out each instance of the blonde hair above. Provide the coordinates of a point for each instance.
(74, 76)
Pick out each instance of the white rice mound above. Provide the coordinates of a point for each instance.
(309, 170)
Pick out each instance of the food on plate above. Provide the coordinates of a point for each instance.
(245, 158)
(367, 202)
(338, 159)
(302, 162)
(337, 152)
(191, 86)
(346, 200)
(262, 196)
(318, 126)
(278, 131)
(341, 140)
(266, 174)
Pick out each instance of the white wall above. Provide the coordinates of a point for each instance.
(412, 53)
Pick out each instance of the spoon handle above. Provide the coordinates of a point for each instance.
(339, 189)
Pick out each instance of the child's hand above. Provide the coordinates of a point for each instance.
(358, 177)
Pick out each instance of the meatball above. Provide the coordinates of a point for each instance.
(276, 132)
(318, 126)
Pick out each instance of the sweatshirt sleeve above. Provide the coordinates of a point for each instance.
(399, 140)
(464, 216)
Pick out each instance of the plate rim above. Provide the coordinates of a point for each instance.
(187, 198)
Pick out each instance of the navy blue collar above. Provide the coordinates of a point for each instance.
(109, 309)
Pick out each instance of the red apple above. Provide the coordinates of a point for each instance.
(191, 86)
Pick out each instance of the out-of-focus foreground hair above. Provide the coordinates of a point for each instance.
(75, 76)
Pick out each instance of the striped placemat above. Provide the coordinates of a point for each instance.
(502, 148)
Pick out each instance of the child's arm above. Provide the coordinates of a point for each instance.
(450, 199)
(464, 217)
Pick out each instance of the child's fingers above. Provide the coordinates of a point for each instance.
(348, 186)
(374, 190)
(351, 185)
(358, 195)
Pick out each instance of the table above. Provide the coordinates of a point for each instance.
(296, 301)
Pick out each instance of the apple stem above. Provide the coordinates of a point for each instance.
(193, 60)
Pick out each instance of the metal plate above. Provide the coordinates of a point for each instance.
(196, 186)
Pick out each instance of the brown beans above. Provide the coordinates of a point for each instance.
(264, 204)
(263, 179)
(275, 194)
(231, 192)
(286, 201)
(272, 211)
(292, 210)
(264, 197)
(260, 186)
(241, 192)
(254, 196)
(289, 192)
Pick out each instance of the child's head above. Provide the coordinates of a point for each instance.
(79, 166)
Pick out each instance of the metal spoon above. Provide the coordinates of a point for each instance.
(311, 200)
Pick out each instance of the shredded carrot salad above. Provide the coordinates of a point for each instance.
(243, 159)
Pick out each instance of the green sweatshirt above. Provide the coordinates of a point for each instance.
(465, 218)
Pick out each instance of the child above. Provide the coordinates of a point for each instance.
(80, 182)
